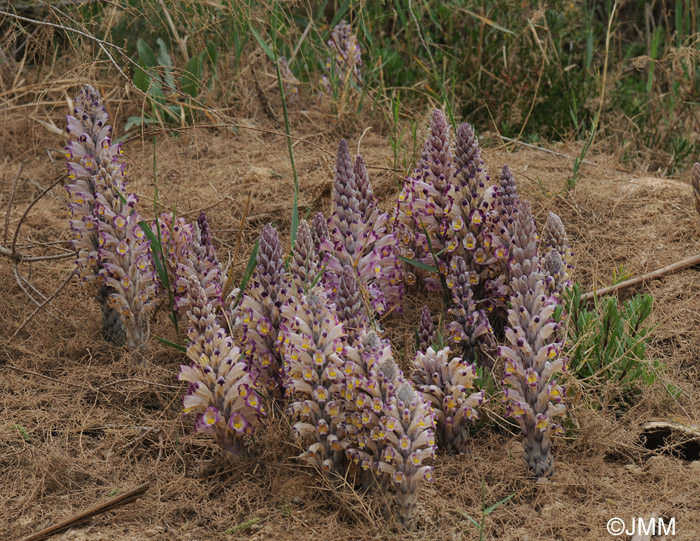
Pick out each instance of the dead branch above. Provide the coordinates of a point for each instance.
(122, 499)
(38, 308)
(669, 269)
(9, 203)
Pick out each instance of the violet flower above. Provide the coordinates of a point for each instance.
(113, 252)
(346, 62)
(222, 388)
(470, 330)
(358, 236)
(446, 382)
(424, 202)
(314, 347)
(260, 313)
(426, 331)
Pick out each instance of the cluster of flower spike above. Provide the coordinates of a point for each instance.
(346, 62)
(446, 383)
(423, 203)
(534, 355)
(444, 209)
(314, 346)
(113, 251)
(222, 389)
(261, 313)
(305, 330)
(358, 237)
(390, 427)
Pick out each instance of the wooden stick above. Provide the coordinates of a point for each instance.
(669, 269)
(93, 511)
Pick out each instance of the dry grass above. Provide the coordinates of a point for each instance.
(81, 419)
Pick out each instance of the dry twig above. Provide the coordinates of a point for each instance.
(122, 499)
(669, 269)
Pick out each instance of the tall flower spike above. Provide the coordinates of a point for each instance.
(202, 262)
(128, 270)
(176, 235)
(470, 330)
(260, 313)
(472, 198)
(361, 240)
(506, 207)
(390, 427)
(350, 306)
(532, 360)
(371, 378)
(222, 388)
(423, 201)
(695, 181)
(446, 383)
(524, 264)
(367, 204)
(555, 237)
(89, 146)
(426, 333)
(319, 229)
(120, 265)
(289, 81)
(409, 425)
(315, 344)
(305, 264)
(346, 60)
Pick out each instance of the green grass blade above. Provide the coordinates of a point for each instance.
(419, 264)
(178, 347)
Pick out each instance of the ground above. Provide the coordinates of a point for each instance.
(83, 421)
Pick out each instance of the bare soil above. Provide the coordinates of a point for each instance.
(82, 421)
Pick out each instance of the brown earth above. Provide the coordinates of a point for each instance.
(82, 420)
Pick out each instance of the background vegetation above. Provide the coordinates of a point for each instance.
(626, 74)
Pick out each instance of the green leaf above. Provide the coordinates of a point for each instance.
(146, 54)
(498, 504)
(317, 277)
(250, 267)
(474, 522)
(135, 121)
(173, 345)
(192, 77)
(212, 53)
(243, 526)
(166, 62)
(157, 251)
(265, 47)
(142, 80)
(23, 432)
(419, 264)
